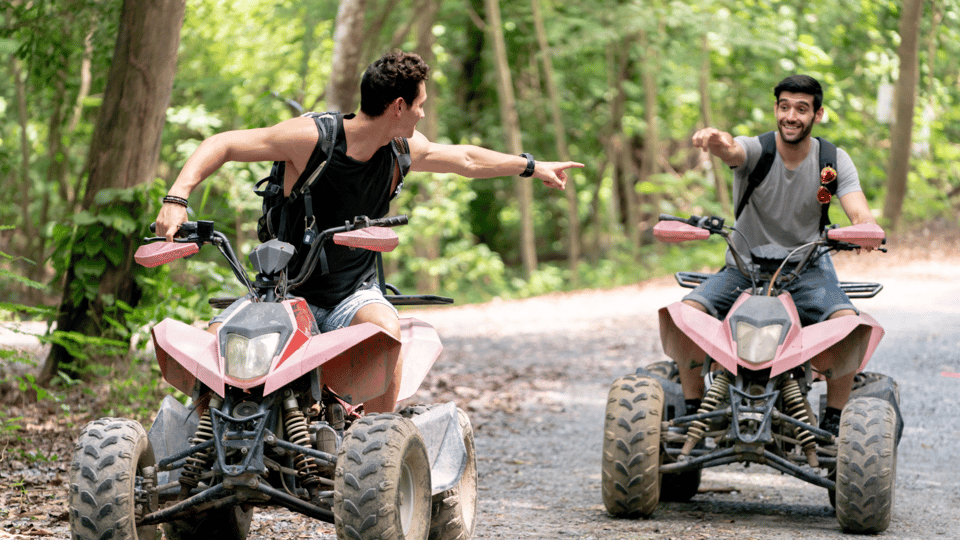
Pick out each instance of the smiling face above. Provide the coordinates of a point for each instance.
(796, 116)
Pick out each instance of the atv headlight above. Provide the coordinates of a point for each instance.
(757, 345)
(250, 358)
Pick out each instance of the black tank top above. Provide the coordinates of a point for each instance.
(348, 188)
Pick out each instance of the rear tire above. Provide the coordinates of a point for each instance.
(382, 485)
(453, 514)
(630, 468)
(683, 486)
(223, 524)
(866, 466)
(105, 477)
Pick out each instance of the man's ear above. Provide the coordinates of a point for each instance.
(818, 116)
(397, 106)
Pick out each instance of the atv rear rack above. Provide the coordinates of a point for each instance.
(853, 289)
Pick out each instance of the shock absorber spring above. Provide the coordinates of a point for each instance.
(197, 463)
(715, 395)
(296, 426)
(793, 404)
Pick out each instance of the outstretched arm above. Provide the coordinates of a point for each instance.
(292, 141)
(720, 144)
(477, 162)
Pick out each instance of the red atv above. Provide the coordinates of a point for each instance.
(277, 418)
(760, 366)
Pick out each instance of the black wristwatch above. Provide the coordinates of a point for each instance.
(531, 164)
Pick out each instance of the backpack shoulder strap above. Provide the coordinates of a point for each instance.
(828, 158)
(327, 127)
(768, 152)
(401, 149)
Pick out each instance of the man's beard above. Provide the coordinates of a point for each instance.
(804, 133)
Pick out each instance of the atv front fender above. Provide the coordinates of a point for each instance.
(440, 428)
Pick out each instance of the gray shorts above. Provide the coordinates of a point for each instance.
(337, 317)
(816, 293)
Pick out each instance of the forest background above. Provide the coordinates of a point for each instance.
(102, 101)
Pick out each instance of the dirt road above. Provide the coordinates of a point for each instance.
(534, 375)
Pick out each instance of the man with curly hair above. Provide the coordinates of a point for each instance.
(363, 175)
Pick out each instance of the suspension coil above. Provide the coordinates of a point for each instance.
(793, 404)
(197, 463)
(715, 395)
(295, 423)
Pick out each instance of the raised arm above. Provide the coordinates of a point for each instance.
(477, 162)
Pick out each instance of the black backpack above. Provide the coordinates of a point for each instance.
(768, 145)
(273, 223)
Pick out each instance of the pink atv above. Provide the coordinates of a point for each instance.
(277, 418)
(759, 370)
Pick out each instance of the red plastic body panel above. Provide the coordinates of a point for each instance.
(672, 232)
(835, 347)
(867, 235)
(372, 238)
(157, 253)
(356, 362)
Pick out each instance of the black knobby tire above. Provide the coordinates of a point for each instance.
(382, 484)
(453, 513)
(105, 474)
(683, 486)
(866, 465)
(667, 369)
(630, 468)
(231, 523)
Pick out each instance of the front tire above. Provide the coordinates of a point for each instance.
(630, 469)
(866, 466)
(382, 485)
(106, 482)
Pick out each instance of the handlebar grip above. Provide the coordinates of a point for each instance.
(187, 227)
(668, 217)
(392, 221)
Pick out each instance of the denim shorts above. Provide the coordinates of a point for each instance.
(816, 293)
(337, 317)
(341, 315)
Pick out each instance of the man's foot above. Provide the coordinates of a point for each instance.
(831, 421)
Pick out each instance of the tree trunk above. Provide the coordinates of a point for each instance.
(511, 127)
(345, 66)
(124, 152)
(710, 162)
(905, 95)
(428, 245)
(560, 136)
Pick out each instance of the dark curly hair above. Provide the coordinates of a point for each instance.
(396, 74)
(801, 84)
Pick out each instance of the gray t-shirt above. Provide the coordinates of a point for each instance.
(783, 209)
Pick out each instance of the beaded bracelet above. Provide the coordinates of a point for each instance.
(176, 200)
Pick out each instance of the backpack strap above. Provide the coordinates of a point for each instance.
(401, 152)
(326, 141)
(768, 152)
(828, 158)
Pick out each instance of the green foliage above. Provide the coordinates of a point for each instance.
(238, 56)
